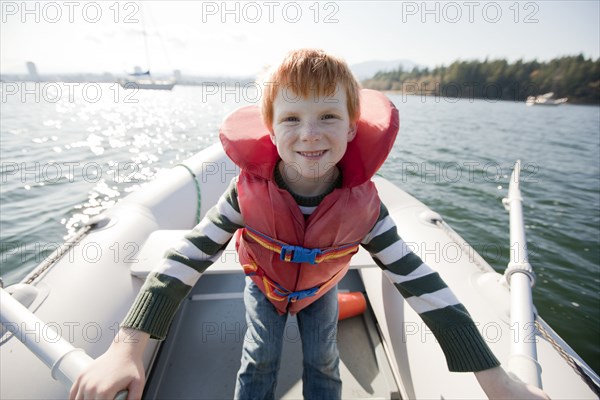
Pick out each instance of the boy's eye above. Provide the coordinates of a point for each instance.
(329, 116)
(291, 119)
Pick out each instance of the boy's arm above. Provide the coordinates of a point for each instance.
(425, 291)
(155, 306)
(170, 282)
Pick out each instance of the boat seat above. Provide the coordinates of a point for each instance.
(160, 241)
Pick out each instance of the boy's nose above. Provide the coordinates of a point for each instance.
(310, 132)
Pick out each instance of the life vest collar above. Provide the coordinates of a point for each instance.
(247, 141)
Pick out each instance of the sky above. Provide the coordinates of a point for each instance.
(240, 38)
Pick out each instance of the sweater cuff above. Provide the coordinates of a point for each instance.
(465, 349)
(151, 313)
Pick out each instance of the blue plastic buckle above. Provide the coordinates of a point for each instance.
(295, 296)
(299, 254)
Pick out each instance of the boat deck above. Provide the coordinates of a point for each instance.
(201, 356)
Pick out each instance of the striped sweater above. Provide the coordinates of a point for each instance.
(424, 290)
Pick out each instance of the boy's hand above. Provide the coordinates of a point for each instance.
(497, 384)
(119, 368)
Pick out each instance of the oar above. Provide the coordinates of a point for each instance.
(65, 361)
(519, 274)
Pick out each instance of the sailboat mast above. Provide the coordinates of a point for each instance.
(145, 38)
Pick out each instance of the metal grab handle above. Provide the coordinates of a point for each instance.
(122, 395)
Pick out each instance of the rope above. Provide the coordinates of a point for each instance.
(576, 367)
(58, 253)
(464, 246)
(197, 190)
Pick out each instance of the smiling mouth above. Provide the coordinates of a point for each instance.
(312, 154)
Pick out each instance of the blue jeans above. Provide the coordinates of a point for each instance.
(261, 353)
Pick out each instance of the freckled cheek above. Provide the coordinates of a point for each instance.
(285, 142)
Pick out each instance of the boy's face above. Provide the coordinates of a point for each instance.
(311, 134)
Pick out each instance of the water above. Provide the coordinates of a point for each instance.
(66, 159)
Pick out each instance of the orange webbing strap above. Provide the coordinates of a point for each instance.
(270, 286)
(292, 253)
(277, 292)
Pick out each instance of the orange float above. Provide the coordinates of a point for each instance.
(351, 304)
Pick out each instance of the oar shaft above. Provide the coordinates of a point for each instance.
(65, 361)
(523, 359)
(518, 244)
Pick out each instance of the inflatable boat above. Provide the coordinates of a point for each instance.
(69, 308)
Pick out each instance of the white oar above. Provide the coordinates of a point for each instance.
(519, 274)
(65, 361)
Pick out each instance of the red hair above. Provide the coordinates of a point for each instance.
(310, 71)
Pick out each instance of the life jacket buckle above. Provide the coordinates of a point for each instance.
(295, 296)
(299, 254)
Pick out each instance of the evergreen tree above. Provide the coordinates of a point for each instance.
(574, 77)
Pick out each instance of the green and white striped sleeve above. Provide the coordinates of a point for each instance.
(170, 282)
(426, 292)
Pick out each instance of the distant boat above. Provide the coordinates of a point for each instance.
(545, 100)
(147, 82)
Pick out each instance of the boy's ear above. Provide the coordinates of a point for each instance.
(272, 136)
(352, 132)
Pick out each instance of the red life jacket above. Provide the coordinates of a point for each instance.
(292, 260)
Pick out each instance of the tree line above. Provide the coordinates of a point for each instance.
(574, 77)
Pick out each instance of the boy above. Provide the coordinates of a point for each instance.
(310, 189)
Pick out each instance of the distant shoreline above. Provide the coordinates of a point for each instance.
(572, 77)
(490, 100)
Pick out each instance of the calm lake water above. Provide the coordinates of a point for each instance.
(70, 152)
